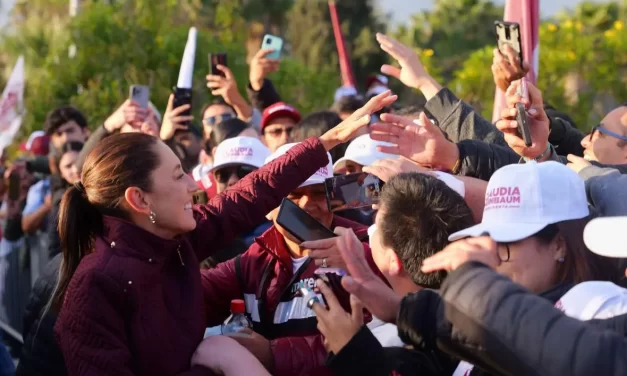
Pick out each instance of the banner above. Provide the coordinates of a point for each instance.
(12, 105)
(527, 14)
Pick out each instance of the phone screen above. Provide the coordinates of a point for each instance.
(140, 94)
(214, 61)
(352, 191)
(300, 224)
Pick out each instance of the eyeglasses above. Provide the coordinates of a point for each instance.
(213, 120)
(599, 128)
(503, 250)
(278, 132)
(224, 174)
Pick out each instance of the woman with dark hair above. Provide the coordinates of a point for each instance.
(129, 295)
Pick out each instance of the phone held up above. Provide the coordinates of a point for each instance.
(273, 43)
(523, 121)
(508, 34)
(140, 94)
(301, 224)
(352, 191)
(214, 61)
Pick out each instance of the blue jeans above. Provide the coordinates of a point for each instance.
(7, 368)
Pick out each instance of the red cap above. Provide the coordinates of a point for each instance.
(38, 144)
(279, 109)
(238, 306)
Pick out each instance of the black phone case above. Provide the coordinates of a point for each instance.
(14, 187)
(523, 124)
(214, 60)
(183, 96)
(286, 226)
(499, 42)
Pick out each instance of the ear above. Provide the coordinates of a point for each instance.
(559, 247)
(136, 200)
(396, 265)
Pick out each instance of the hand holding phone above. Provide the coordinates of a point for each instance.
(214, 61)
(523, 122)
(508, 34)
(301, 224)
(273, 43)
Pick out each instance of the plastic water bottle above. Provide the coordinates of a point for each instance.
(238, 320)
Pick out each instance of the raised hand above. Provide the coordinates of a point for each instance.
(173, 120)
(226, 86)
(260, 67)
(538, 122)
(411, 73)
(507, 68)
(128, 113)
(425, 145)
(347, 129)
(386, 169)
(482, 249)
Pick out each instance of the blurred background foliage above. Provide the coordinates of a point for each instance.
(583, 52)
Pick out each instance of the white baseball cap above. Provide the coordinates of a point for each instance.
(522, 199)
(594, 300)
(363, 150)
(240, 151)
(344, 91)
(317, 178)
(603, 236)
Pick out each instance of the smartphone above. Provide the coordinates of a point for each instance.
(333, 278)
(352, 191)
(508, 34)
(200, 198)
(214, 61)
(182, 96)
(140, 94)
(273, 43)
(300, 224)
(14, 186)
(523, 122)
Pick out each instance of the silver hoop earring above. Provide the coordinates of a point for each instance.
(561, 259)
(153, 217)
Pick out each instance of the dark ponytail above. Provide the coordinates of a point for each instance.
(79, 221)
(117, 163)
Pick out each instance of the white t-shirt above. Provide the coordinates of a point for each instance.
(297, 263)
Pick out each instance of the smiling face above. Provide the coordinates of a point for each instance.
(605, 148)
(171, 195)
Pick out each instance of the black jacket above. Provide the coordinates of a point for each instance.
(265, 97)
(563, 133)
(41, 354)
(509, 331)
(364, 355)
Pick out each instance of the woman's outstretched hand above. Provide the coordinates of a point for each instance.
(347, 129)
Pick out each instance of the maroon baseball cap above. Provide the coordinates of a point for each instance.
(38, 143)
(278, 110)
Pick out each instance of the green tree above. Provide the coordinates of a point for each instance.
(311, 39)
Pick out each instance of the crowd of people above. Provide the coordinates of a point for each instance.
(483, 256)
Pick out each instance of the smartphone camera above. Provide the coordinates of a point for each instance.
(268, 40)
(135, 91)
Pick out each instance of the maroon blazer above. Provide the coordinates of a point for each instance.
(135, 307)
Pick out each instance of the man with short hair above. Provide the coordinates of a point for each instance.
(277, 123)
(65, 124)
(607, 144)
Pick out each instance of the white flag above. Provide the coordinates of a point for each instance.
(12, 105)
(187, 65)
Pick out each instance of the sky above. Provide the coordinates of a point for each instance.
(401, 10)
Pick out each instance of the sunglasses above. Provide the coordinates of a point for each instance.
(278, 132)
(224, 174)
(213, 120)
(599, 128)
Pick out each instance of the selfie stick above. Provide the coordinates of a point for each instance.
(183, 89)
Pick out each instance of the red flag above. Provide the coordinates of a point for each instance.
(345, 66)
(527, 14)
